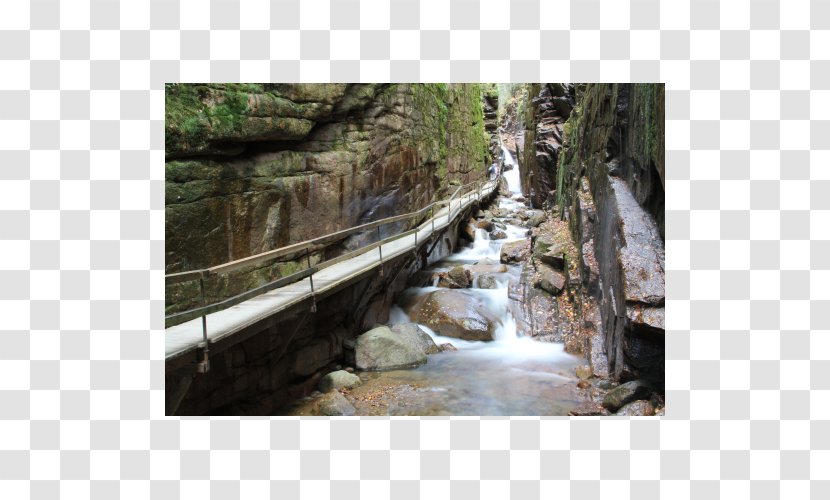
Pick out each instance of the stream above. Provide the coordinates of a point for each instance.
(511, 375)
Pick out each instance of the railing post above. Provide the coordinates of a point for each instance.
(204, 365)
(380, 252)
(311, 283)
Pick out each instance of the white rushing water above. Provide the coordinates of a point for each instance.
(514, 182)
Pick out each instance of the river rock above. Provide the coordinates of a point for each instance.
(480, 267)
(583, 372)
(589, 409)
(456, 314)
(487, 282)
(553, 259)
(382, 349)
(416, 337)
(625, 393)
(447, 347)
(639, 408)
(498, 234)
(485, 224)
(340, 379)
(334, 404)
(549, 280)
(515, 252)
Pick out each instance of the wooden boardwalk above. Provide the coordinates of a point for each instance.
(186, 338)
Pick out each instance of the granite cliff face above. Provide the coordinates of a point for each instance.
(252, 167)
(594, 155)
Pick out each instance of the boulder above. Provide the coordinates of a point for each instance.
(514, 252)
(459, 277)
(480, 267)
(456, 314)
(416, 337)
(625, 393)
(498, 234)
(487, 282)
(639, 408)
(485, 224)
(553, 259)
(549, 280)
(535, 218)
(382, 349)
(340, 379)
(334, 404)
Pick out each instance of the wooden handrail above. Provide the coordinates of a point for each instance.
(307, 247)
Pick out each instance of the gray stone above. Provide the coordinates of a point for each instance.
(514, 252)
(536, 218)
(456, 314)
(549, 280)
(340, 379)
(498, 234)
(382, 349)
(448, 347)
(639, 408)
(334, 404)
(625, 393)
(487, 282)
(417, 337)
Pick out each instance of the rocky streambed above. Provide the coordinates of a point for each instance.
(490, 330)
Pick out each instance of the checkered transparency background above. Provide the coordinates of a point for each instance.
(82, 249)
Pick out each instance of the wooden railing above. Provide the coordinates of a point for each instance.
(305, 249)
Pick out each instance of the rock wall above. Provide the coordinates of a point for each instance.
(252, 167)
(603, 170)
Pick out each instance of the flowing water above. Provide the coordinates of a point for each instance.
(510, 375)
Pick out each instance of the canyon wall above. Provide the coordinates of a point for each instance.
(594, 154)
(253, 167)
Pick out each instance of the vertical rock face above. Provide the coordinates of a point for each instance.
(604, 168)
(252, 167)
(545, 115)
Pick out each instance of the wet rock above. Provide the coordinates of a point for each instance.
(485, 224)
(459, 277)
(340, 379)
(447, 347)
(334, 404)
(515, 252)
(589, 409)
(520, 199)
(498, 234)
(515, 222)
(382, 349)
(639, 408)
(549, 280)
(487, 282)
(583, 384)
(414, 335)
(583, 372)
(625, 393)
(349, 369)
(456, 314)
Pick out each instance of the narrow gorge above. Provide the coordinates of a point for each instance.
(414, 249)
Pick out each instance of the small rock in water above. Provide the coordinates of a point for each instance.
(588, 409)
(498, 234)
(514, 252)
(448, 347)
(334, 404)
(340, 379)
(639, 408)
(583, 372)
(583, 384)
(625, 393)
(520, 199)
(485, 224)
(487, 282)
(459, 277)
